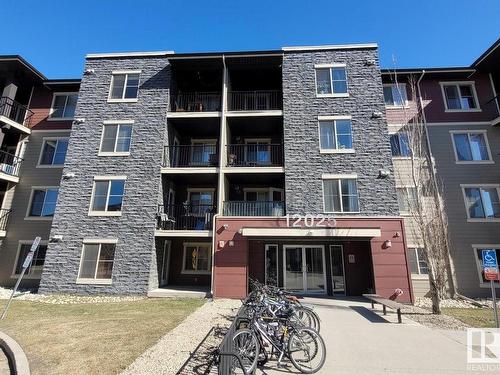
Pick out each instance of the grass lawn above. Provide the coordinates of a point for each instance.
(101, 338)
(477, 318)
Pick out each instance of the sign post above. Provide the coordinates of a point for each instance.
(490, 270)
(26, 264)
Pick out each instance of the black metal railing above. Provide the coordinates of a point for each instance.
(185, 216)
(15, 111)
(195, 102)
(4, 218)
(255, 155)
(200, 155)
(10, 163)
(262, 100)
(253, 208)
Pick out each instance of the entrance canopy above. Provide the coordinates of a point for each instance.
(311, 232)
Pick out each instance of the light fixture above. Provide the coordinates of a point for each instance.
(387, 244)
(225, 226)
(78, 121)
(68, 175)
(383, 173)
(89, 72)
(377, 114)
(56, 238)
(231, 243)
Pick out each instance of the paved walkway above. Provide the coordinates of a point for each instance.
(361, 342)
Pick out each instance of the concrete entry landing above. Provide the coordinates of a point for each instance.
(174, 291)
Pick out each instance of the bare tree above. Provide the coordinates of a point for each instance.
(423, 198)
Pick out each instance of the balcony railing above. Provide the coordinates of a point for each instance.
(252, 208)
(4, 218)
(263, 100)
(185, 216)
(255, 155)
(15, 111)
(10, 164)
(205, 155)
(196, 102)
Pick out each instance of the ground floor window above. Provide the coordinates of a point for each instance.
(272, 265)
(479, 261)
(416, 258)
(196, 258)
(35, 269)
(97, 261)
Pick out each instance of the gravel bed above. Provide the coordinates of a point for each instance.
(426, 303)
(177, 350)
(428, 319)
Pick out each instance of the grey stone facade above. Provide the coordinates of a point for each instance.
(304, 164)
(135, 251)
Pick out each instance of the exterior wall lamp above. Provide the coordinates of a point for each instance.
(387, 244)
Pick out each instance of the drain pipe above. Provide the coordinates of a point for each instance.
(214, 220)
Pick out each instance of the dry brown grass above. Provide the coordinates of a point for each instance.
(91, 338)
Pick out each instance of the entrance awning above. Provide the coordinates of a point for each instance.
(311, 232)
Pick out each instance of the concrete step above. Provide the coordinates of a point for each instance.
(179, 293)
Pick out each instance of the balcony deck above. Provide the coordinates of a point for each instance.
(254, 208)
(15, 114)
(10, 166)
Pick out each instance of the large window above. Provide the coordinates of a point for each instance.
(196, 258)
(63, 106)
(460, 96)
(97, 261)
(331, 80)
(478, 250)
(416, 258)
(335, 135)
(400, 144)
(35, 269)
(471, 146)
(116, 138)
(124, 86)
(43, 202)
(340, 195)
(482, 202)
(53, 152)
(395, 95)
(407, 198)
(107, 196)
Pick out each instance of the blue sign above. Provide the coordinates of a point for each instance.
(490, 258)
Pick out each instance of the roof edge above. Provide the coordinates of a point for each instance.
(25, 63)
(464, 69)
(331, 47)
(127, 54)
(486, 53)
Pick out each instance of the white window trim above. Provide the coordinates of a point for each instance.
(405, 213)
(95, 241)
(26, 276)
(457, 83)
(328, 176)
(468, 132)
(52, 109)
(115, 153)
(193, 272)
(44, 140)
(478, 186)
(395, 106)
(266, 248)
(39, 218)
(421, 276)
(476, 247)
(106, 213)
(123, 100)
(334, 150)
(330, 66)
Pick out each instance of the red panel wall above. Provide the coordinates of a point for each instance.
(40, 104)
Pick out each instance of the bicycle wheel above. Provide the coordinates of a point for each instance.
(246, 345)
(306, 350)
(306, 317)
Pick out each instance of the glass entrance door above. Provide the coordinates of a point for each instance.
(337, 266)
(304, 269)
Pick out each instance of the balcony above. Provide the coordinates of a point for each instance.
(185, 216)
(254, 208)
(16, 114)
(4, 218)
(10, 165)
(195, 102)
(264, 100)
(191, 156)
(255, 155)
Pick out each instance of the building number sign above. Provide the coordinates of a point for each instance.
(310, 221)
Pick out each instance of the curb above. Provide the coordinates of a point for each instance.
(15, 354)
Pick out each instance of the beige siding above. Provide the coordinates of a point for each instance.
(420, 286)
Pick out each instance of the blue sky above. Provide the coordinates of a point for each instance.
(55, 35)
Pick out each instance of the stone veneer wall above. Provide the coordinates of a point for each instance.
(304, 164)
(134, 270)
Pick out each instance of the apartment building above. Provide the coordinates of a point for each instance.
(35, 116)
(198, 171)
(460, 110)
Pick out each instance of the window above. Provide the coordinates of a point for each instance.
(35, 269)
(203, 152)
(331, 80)
(63, 106)
(340, 195)
(478, 249)
(471, 146)
(416, 258)
(53, 152)
(116, 138)
(482, 202)
(97, 261)
(395, 95)
(107, 196)
(124, 86)
(407, 198)
(43, 202)
(460, 96)
(335, 135)
(197, 258)
(400, 144)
